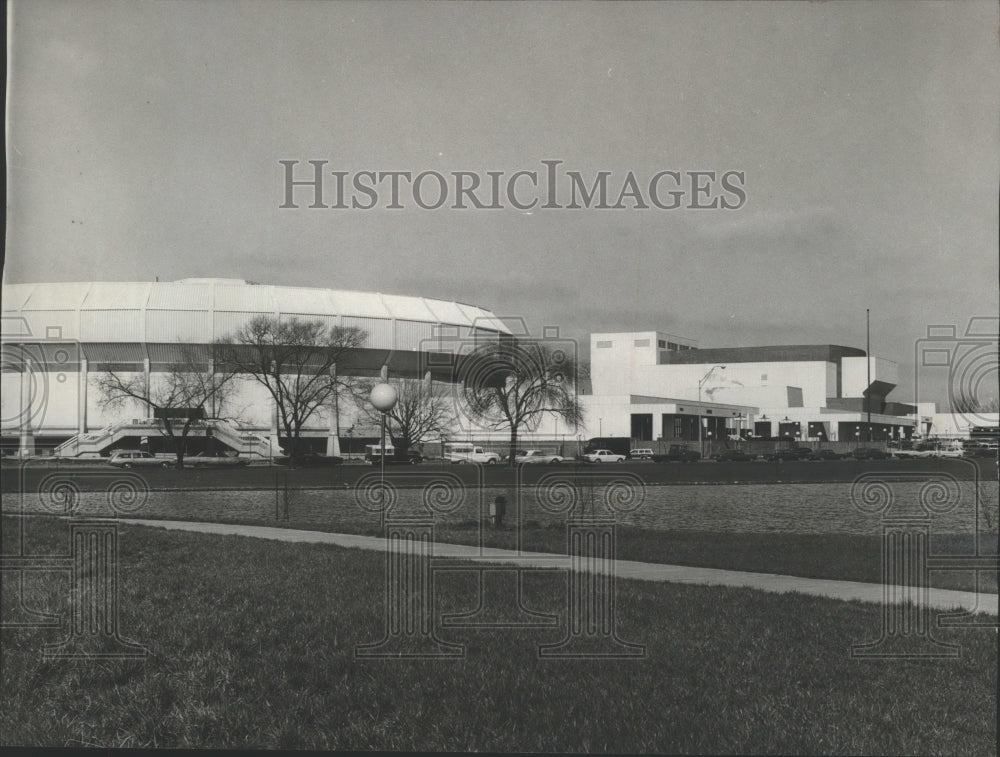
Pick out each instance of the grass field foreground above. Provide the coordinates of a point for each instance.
(252, 646)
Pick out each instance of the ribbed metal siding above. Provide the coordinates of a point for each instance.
(244, 299)
(327, 320)
(414, 335)
(178, 326)
(111, 326)
(164, 296)
(379, 331)
(113, 353)
(104, 295)
(228, 323)
(302, 301)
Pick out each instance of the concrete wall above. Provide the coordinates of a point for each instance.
(854, 374)
(681, 381)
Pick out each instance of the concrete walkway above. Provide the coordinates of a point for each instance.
(940, 599)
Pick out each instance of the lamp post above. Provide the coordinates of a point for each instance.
(700, 385)
(383, 398)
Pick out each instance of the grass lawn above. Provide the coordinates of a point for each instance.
(844, 557)
(252, 646)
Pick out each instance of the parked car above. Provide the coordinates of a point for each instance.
(979, 450)
(410, 457)
(789, 454)
(469, 453)
(826, 454)
(536, 457)
(604, 456)
(620, 445)
(678, 453)
(212, 460)
(792, 455)
(311, 460)
(906, 454)
(869, 453)
(641, 454)
(732, 455)
(135, 459)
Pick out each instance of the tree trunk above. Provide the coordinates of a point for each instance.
(181, 444)
(513, 446)
(293, 446)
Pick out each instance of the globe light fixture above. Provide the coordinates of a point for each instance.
(383, 398)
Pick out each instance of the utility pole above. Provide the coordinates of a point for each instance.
(868, 360)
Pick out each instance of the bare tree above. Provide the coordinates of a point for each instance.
(512, 385)
(189, 384)
(295, 360)
(422, 408)
(969, 405)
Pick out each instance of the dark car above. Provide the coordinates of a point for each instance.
(869, 453)
(311, 460)
(678, 453)
(980, 451)
(788, 455)
(220, 460)
(826, 454)
(732, 455)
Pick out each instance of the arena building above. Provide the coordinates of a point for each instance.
(58, 337)
(648, 386)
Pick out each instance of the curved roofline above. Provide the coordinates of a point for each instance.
(238, 295)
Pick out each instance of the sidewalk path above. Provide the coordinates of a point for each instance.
(940, 599)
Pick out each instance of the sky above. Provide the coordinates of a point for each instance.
(144, 140)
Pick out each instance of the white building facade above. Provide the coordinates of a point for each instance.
(657, 386)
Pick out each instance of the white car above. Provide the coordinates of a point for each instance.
(470, 453)
(536, 457)
(137, 459)
(641, 454)
(604, 456)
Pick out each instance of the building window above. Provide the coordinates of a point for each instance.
(671, 345)
(661, 343)
(603, 345)
(641, 342)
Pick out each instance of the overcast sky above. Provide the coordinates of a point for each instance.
(144, 140)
